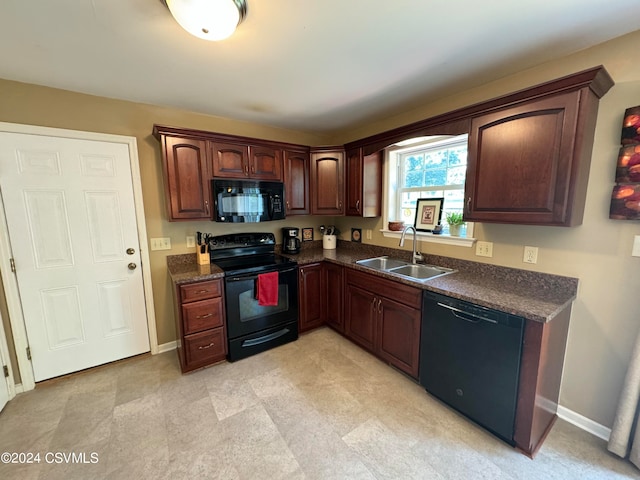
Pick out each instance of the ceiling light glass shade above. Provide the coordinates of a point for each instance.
(208, 19)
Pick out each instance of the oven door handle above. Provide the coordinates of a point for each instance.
(265, 338)
(241, 278)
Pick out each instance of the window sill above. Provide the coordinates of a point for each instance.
(430, 237)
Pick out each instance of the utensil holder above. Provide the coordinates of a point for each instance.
(329, 242)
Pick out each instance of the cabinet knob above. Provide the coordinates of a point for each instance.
(206, 207)
(253, 169)
(357, 205)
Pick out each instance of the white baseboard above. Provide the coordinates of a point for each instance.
(584, 423)
(167, 347)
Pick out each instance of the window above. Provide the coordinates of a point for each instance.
(429, 167)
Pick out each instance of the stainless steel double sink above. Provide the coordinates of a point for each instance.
(418, 272)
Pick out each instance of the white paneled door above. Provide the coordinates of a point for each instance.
(71, 218)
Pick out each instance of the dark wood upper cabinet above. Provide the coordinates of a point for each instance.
(363, 184)
(186, 176)
(265, 163)
(296, 182)
(327, 181)
(229, 160)
(232, 160)
(529, 163)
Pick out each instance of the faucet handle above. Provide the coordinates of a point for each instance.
(417, 256)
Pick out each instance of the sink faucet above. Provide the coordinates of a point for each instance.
(415, 256)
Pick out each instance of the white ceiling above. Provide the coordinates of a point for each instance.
(310, 65)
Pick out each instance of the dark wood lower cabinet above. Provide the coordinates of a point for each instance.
(360, 316)
(332, 294)
(398, 329)
(390, 328)
(310, 298)
(543, 353)
(200, 324)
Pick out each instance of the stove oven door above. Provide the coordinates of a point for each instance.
(246, 317)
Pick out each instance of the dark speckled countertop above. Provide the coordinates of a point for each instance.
(532, 295)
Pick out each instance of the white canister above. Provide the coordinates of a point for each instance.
(329, 242)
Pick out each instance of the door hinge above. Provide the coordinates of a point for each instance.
(13, 265)
(29, 353)
(6, 370)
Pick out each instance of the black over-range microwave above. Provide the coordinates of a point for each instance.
(247, 201)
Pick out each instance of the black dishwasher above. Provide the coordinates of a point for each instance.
(470, 359)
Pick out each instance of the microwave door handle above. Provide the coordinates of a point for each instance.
(270, 206)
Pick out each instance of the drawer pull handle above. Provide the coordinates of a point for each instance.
(205, 316)
(198, 292)
(207, 346)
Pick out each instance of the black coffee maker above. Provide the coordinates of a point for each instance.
(290, 240)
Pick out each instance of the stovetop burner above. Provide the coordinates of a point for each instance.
(253, 263)
(246, 253)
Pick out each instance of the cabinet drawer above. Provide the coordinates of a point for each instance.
(200, 291)
(198, 316)
(205, 347)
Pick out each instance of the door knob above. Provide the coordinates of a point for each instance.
(131, 251)
(132, 266)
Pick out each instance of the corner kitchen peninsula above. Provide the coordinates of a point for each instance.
(384, 314)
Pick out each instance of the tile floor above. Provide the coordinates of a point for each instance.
(318, 408)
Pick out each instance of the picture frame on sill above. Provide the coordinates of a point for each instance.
(307, 234)
(428, 213)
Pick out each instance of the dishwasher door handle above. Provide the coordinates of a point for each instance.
(460, 314)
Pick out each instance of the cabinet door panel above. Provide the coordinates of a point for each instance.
(187, 178)
(399, 334)
(360, 312)
(332, 283)
(327, 187)
(266, 163)
(310, 312)
(520, 162)
(296, 182)
(354, 183)
(230, 160)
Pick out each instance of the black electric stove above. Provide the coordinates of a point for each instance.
(251, 327)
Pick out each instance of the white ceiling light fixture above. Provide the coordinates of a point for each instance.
(208, 19)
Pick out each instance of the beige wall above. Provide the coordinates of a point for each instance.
(605, 316)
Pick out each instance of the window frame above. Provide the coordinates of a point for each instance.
(392, 194)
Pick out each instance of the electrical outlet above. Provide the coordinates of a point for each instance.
(191, 241)
(484, 249)
(161, 243)
(530, 255)
(636, 246)
(368, 233)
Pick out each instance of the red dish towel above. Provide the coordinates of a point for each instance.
(268, 289)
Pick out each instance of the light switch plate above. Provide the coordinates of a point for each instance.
(484, 249)
(161, 243)
(191, 241)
